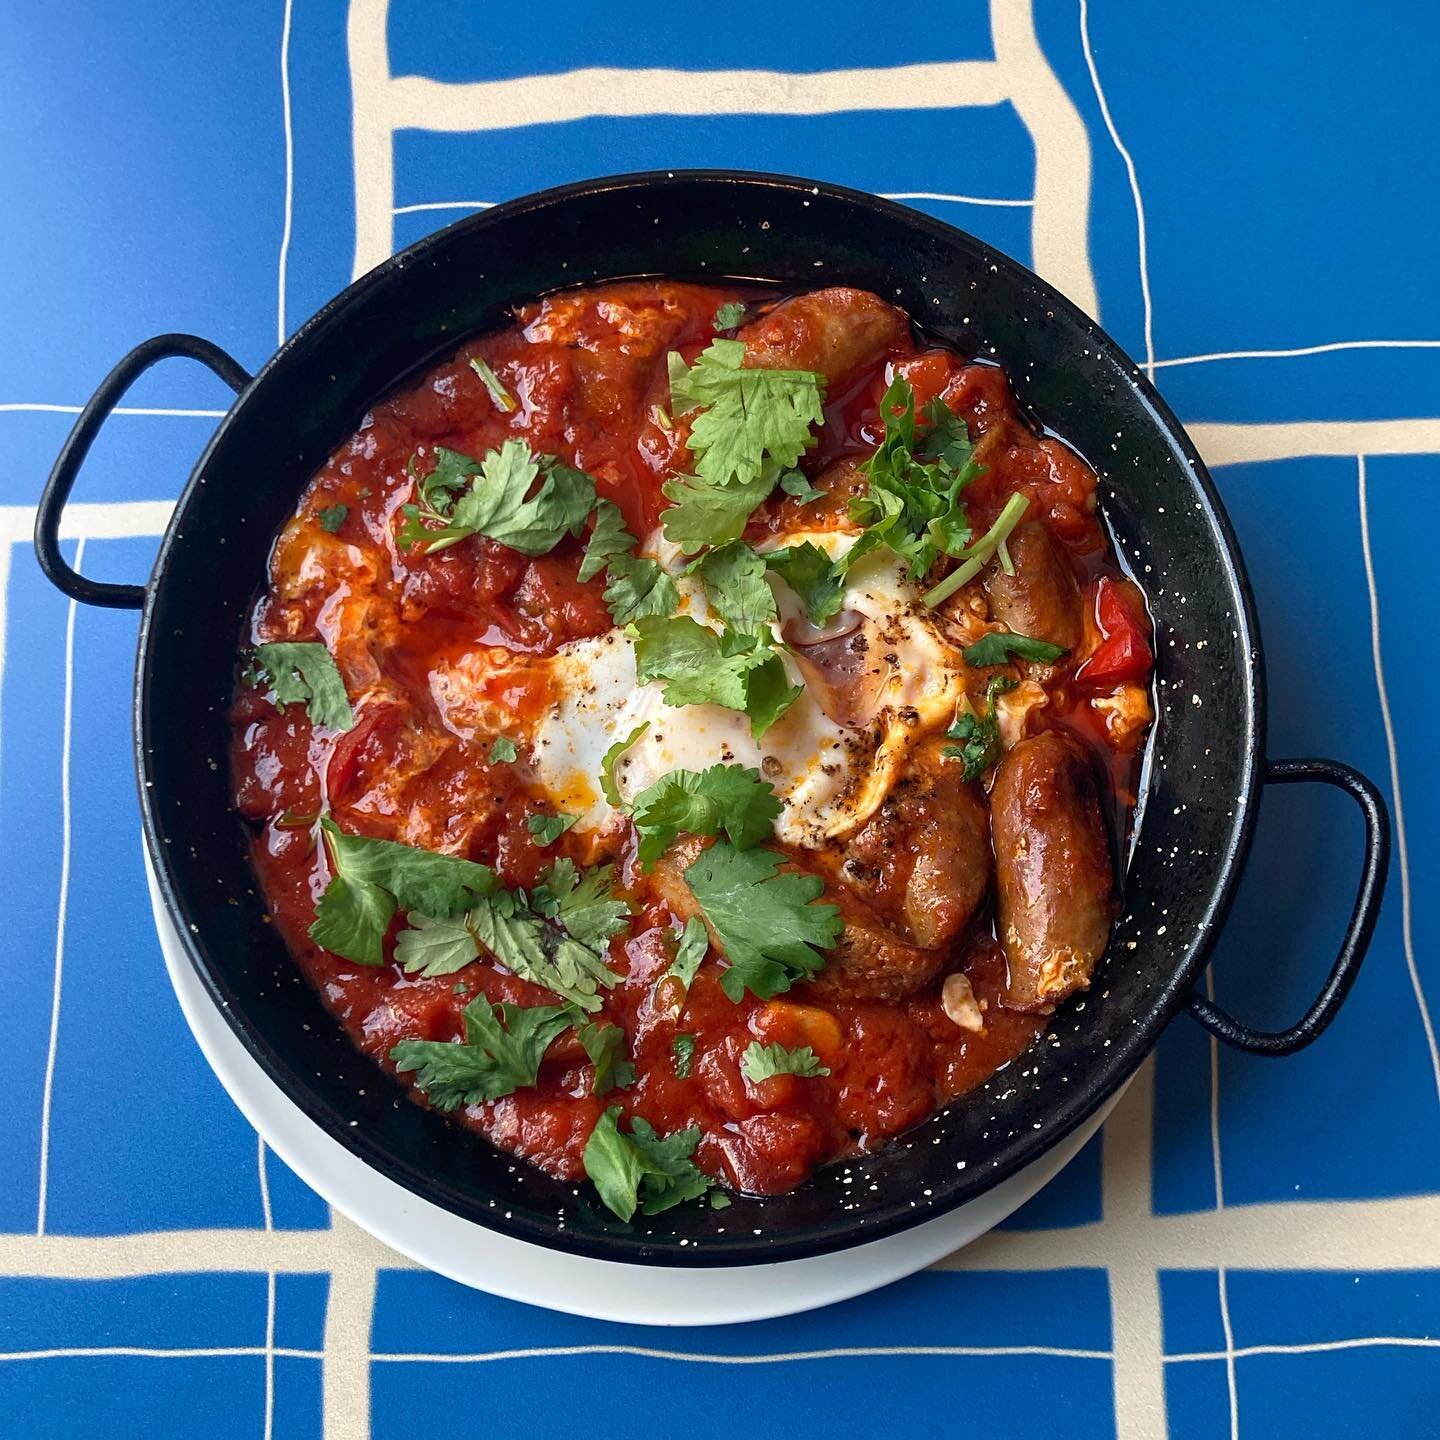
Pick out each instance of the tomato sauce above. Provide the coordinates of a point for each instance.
(587, 375)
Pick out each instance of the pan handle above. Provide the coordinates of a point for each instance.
(1357, 934)
(77, 446)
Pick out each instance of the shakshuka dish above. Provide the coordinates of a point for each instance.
(689, 734)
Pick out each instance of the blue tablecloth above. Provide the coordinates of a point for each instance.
(1247, 197)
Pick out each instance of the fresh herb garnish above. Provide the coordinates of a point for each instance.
(547, 829)
(582, 903)
(502, 750)
(818, 583)
(700, 666)
(605, 1046)
(609, 786)
(332, 517)
(735, 586)
(755, 424)
(371, 878)
(998, 646)
(913, 499)
(763, 1062)
(731, 798)
(730, 316)
(495, 1059)
(639, 589)
(682, 1047)
(767, 923)
(978, 734)
(303, 670)
(642, 1169)
(608, 537)
(498, 393)
(491, 497)
(690, 952)
(978, 555)
(795, 483)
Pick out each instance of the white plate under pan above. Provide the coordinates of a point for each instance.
(602, 1289)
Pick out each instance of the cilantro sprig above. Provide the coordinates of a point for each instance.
(303, 670)
(492, 497)
(754, 425)
(642, 1169)
(998, 646)
(728, 798)
(818, 582)
(700, 666)
(912, 502)
(690, 952)
(501, 1052)
(771, 930)
(764, 1062)
(977, 731)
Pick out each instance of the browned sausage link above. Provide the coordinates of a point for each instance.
(922, 861)
(836, 332)
(1054, 885)
(869, 962)
(1041, 599)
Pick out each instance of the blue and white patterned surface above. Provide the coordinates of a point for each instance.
(1247, 196)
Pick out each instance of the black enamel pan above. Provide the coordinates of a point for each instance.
(1203, 777)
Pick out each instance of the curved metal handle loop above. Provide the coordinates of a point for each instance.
(1357, 934)
(77, 446)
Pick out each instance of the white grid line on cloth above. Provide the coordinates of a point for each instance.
(1312, 1347)
(1020, 74)
(1329, 347)
(62, 908)
(1141, 241)
(425, 206)
(31, 406)
(1402, 849)
(706, 1357)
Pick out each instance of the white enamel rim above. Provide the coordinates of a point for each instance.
(469, 1253)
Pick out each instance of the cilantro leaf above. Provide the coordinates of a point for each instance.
(502, 750)
(731, 798)
(609, 786)
(605, 1046)
(528, 947)
(424, 880)
(912, 502)
(638, 588)
(332, 517)
(769, 928)
(818, 583)
(303, 670)
(762, 1062)
(700, 514)
(703, 667)
(977, 732)
(795, 483)
(503, 399)
(352, 918)
(642, 1168)
(493, 499)
(583, 904)
(997, 647)
(492, 1061)
(435, 946)
(690, 953)
(754, 425)
(683, 1049)
(547, 829)
(730, 316)
(734, 579)
(750, 415)
(608, 537)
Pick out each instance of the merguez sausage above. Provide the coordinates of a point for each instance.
(1054, 881)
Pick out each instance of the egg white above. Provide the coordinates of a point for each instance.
(830, 778)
